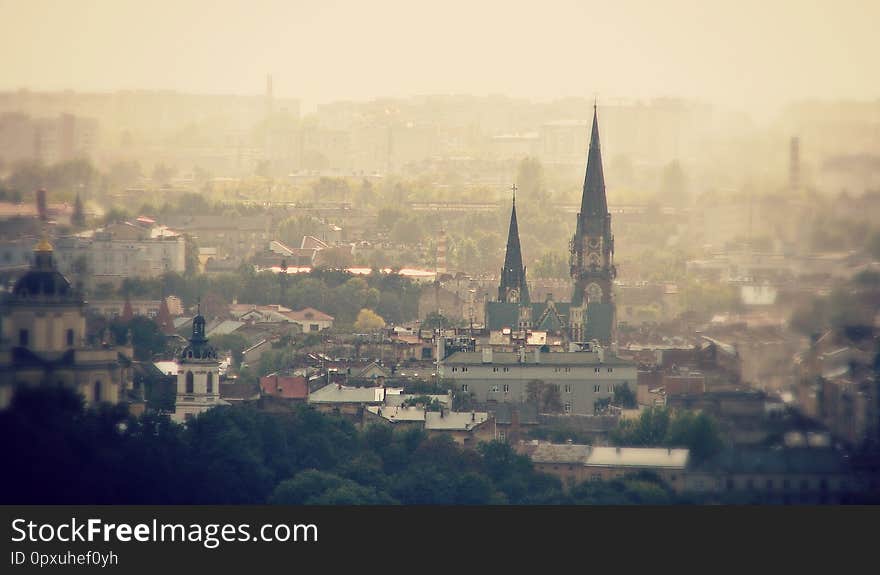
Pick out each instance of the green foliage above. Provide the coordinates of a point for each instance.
(624, 397)
(146, 337)
(656, 426)
(240, 455)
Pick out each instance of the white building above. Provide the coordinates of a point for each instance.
(581, 378)
(198, 376)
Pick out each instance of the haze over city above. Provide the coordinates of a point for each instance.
(747, 54)
(555, 253)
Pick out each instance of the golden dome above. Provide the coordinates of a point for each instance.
(43, 245)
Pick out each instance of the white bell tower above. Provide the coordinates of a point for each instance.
(198, 376)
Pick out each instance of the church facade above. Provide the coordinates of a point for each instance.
(591, 314)
(43, 340)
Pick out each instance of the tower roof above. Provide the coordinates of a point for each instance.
(513, 274)
(593, 201)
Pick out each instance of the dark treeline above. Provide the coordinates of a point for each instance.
(60, 453)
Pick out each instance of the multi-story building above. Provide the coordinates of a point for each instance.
(581, 377)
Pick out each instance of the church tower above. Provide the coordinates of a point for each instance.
(513, 288)
(592, 312)
(198, 375)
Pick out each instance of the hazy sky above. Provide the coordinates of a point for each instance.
(738, 53)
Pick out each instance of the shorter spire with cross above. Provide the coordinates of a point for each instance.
(513, 189)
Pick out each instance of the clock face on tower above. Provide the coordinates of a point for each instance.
(594, 243)
(594, 293)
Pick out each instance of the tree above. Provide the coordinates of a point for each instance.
(78, 219)
(191, 262)
(368, 320)
(530, 179)
(544, 395)
(624, 397)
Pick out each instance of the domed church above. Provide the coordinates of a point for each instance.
(43, 339)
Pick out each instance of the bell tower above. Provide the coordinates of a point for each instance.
(593, 314)
(198, 375)
(513, 287)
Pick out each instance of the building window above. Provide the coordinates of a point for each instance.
(494, 369)
(70, 337)
(567, 370)
(506, 369)
(596, 477)
(596, 370)
(96, 392)
(189, 382)
(610, 370)
(464, 369)
(23, 337)
(314, 327)
(494, 389)
(567, 388)
(501, 435)
(506, 388)
(210, 382)
(611, 388)
(464, 387)
(567, 408)
(596, 388)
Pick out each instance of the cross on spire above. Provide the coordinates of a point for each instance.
(513, 189)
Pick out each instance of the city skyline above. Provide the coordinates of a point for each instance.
(739, 55)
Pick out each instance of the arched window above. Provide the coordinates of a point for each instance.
(189, 382)
(210, 382)
(96, 392)
(70, 338)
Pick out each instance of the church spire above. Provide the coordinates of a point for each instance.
(513, 286)
(593, 201)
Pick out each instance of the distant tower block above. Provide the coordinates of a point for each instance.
(42, 208)
(269, 94)
(441, 254)
(794, 163)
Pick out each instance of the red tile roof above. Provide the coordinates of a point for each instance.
(285, 386)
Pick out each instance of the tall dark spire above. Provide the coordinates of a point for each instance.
(593, 200)
(513, 274)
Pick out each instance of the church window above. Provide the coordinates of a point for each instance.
(210, 382)
(23, 337)
(189, 382)
(70, 337)
(96, 392)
